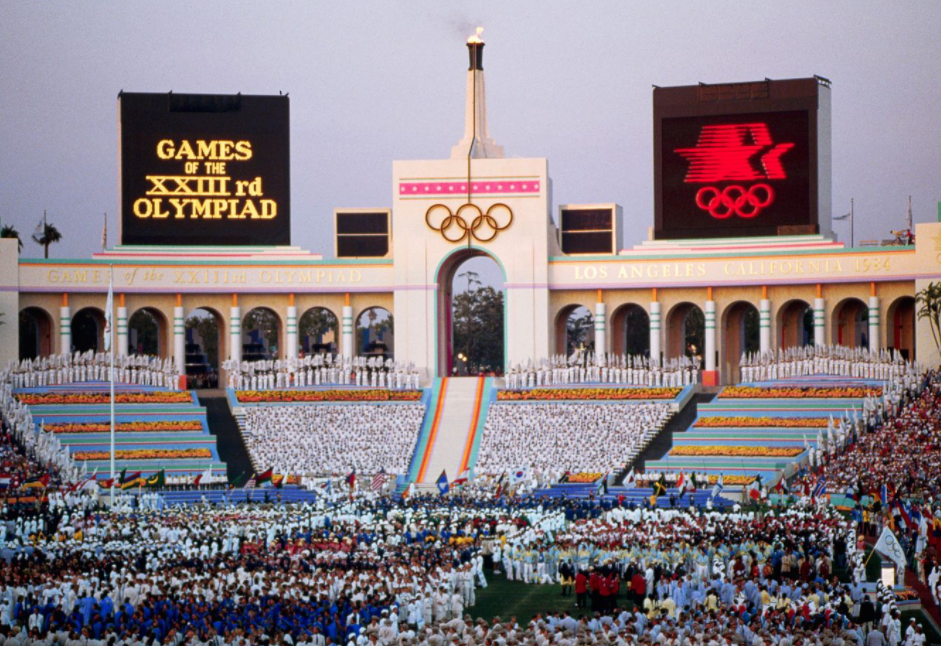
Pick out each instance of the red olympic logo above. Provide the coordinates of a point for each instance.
(734, 200)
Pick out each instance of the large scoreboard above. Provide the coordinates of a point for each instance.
(742, 159)
(204, 169)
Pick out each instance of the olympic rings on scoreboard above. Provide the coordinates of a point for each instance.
(469, 220)
(734, 200)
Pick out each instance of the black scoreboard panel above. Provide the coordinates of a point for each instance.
(362, 234)
(204, 169)
(737, 160)
(587, 231)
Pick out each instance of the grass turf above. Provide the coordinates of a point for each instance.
(517, 599)
(507, 599)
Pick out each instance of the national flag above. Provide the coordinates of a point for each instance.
(718, 488)
(681, 483)
(205, 475)
(278, 480)
(327, 487)
(518, 476)
(83, 482)
(630, 482)
(378, 480)
(500, 483)
(250, 484)
(351, 479)
(838, 218)
(237, 481)
(782, 487)
(125, 477)
(106, 484)
(38, 482)
(264, 476)
(884, 494)
(820, 489)
(6, 480)
(691, 484)
(442, 483)
(136, 481)
(158, 479)
(659, 488)
(903, 512)
(754, 489)
(109, 315)
(461, 479)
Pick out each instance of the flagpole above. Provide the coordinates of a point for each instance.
(852, 226)
(111, 375)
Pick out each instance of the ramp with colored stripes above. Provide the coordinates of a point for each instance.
(454, 427)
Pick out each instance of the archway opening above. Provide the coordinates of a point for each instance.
(901, 327)
(261, 335)
(575, 330)
(318, 330)
(35, 333)
(851, 323)
(795, 324)
(88, 328)
(204, 346)
(471, 311)
(739, 335)
(147, 332)
(686, 331)
(375, 333)
(476, 316)
(630, 326)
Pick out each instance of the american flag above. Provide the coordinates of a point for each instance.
(251, 483)
(378, 480)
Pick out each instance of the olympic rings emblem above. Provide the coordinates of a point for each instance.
(734, 200)
(469, 220)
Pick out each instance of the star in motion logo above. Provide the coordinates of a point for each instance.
(743, 152)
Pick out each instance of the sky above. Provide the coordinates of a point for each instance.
(375, 81)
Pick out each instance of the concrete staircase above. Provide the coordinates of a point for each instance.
(454, 425)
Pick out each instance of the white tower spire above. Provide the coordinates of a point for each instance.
(476, 142)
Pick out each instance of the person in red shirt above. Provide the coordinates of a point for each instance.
(581, 589)
(639, 588)
(594, 585)
(604, 594)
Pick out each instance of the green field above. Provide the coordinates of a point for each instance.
(516, 599)
(507, 599)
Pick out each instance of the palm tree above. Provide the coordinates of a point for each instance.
(46, 235)
(9, 231)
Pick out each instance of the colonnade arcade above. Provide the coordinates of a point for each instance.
(719, 324)
(201, 330)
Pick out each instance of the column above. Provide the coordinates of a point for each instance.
(873, 323)
(655, 331)
(601, 345)
(65, 326)
(820, 327)
(235, 330)
(291, 329)
(121, 329)
(346, 343)
(764, 325)
(179, 337)
(710, 340)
